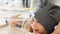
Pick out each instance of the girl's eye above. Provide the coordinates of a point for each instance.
(36, 30)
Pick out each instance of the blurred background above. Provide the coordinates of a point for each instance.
(10, 6)
(16, 13)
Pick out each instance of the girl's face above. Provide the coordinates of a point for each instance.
(38, 28)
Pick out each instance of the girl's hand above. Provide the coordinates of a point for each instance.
(57, 30)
